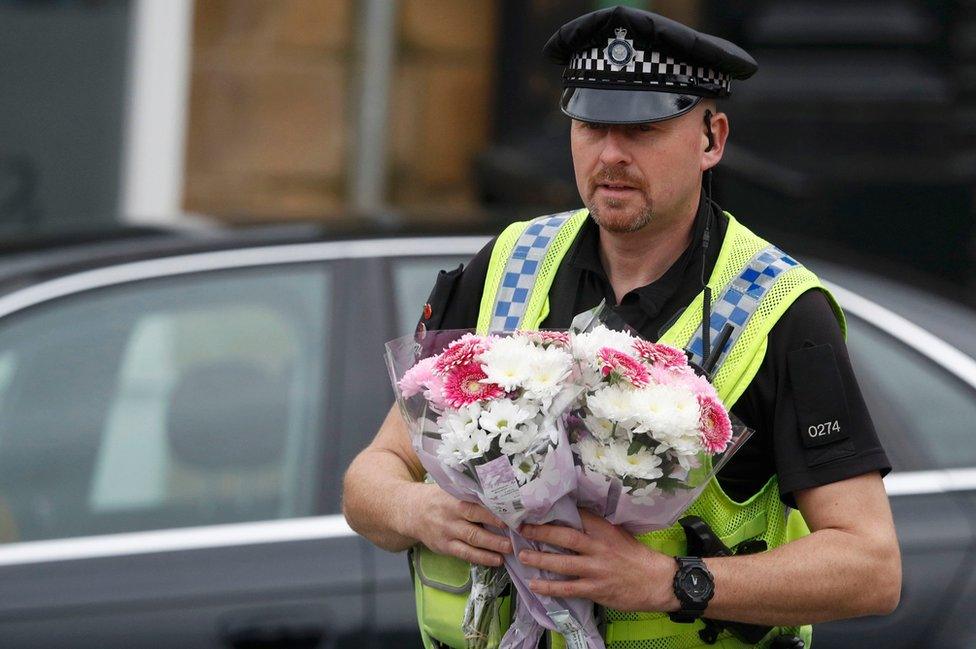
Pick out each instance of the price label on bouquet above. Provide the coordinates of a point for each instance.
(569, 628)
(500, 486)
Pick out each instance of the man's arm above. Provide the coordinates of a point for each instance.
(848, 566)
(385, 500)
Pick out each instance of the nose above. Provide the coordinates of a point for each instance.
(615, 151)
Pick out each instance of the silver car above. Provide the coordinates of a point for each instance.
(177, 410)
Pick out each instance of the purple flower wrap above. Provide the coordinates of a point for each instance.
(549, 497)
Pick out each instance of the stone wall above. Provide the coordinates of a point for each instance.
(269, 112)
(272, 124)
(273, 99)
(441, 98)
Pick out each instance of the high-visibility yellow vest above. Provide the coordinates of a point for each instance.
(755, 283)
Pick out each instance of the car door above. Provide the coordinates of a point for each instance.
(403, 285)
(924, 415)
(161, 449)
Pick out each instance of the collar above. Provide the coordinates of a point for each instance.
(653, 296)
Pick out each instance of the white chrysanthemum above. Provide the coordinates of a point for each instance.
(590, 375)
(642, 464)
(520, 439)
(524, 467)
(506, 363)
(503, 416)
(475, 445)
(587, 345)
(463, 421)
(602, 429)
(665, 412)
(547, 432)
(683, 459)
(449, 451)
(614, 402)
(548, 368)
(686, 445)
(648, 495)
(529, 405)
(593, 454)
(688, 461)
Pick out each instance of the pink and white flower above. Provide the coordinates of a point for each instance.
(417, 377)
(644, 431)
(716, 428)
(466, 384)
(462, 351)
(548, 338)
(422, 377)
(498, 436)
(660, 354)
(618, 365)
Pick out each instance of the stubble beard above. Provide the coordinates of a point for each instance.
(639, 219)
(628, 221)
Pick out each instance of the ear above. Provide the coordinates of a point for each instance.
(720, 133)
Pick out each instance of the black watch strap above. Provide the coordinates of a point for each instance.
(693, 586)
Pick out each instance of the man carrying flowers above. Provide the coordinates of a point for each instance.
(646, 130)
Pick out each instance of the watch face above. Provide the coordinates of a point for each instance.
(697, 585)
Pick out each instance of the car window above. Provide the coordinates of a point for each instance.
(923, 414)
(190, 400)
(413, 279)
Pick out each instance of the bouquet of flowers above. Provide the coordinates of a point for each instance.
(487, 417)
(648, 431)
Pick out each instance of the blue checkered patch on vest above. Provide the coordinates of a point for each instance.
(522, 270)
(740, 298)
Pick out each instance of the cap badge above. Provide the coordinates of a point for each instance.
(620, 51)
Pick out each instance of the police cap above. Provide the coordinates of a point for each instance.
(628, 66)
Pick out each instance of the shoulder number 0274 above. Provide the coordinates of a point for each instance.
(826, 428)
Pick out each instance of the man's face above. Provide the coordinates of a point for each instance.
(631, 174)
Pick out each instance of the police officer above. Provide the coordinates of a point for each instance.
(641, 91)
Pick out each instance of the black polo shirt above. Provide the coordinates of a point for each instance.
(810, 421)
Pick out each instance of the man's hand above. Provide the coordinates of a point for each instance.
(611, 567)
(447, 525)
(384, 500)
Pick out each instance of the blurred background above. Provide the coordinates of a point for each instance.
(856, 140)
(209, 225)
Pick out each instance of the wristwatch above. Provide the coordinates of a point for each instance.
(694, 587)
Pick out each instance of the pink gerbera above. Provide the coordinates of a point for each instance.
(622, 365)
(716, 428)
(417, 377)
(461, 352)
(547, 338)
(464, 385)
(434, 392)
(699, 384)
(660, 354)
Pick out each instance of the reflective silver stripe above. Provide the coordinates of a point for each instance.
(921, 340)
(522, 271)
(173, 540)
(917, 483)
(241, 258)
(333, 527)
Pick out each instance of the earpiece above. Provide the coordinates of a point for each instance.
(708, 130)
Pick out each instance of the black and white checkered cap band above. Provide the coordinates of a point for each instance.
(591, 67)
